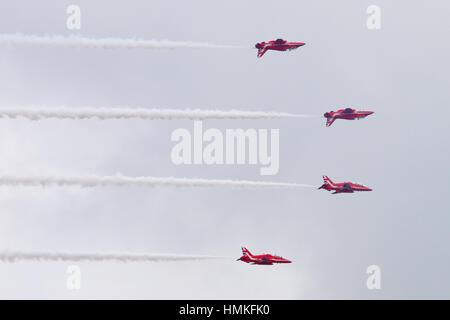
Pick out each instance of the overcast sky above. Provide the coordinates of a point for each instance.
(400, 72)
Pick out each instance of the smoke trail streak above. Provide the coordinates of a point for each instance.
(101, 43)
(98, 257)
(119, 181)
(40, 113)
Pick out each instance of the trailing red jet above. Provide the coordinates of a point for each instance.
(348, 114)
(343, 187)
(279, 45)
(263, 259)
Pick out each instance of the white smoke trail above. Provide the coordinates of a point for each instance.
(119, 180)
(101, 43)
(39, 113)
(98, 257)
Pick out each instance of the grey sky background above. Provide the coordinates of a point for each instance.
(402, 151)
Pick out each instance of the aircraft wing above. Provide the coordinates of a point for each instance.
(264, 261)
(347, 188)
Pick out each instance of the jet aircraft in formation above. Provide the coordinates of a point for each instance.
(347, 114)
(263, 259)
(278, 45)
(342, 187)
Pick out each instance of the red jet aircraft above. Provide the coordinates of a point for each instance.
(263, 259)
(279, 45)
(343, 187)
(348, 114)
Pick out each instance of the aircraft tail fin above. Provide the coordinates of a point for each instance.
(261, 52)
(327, 180)
(330, 121)
(246, 252)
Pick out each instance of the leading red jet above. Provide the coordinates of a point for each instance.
(347, 113)
(263, 259)
(279, 45)
(343, 187)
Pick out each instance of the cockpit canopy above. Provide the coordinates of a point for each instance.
(279, 41)
(348, 110)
